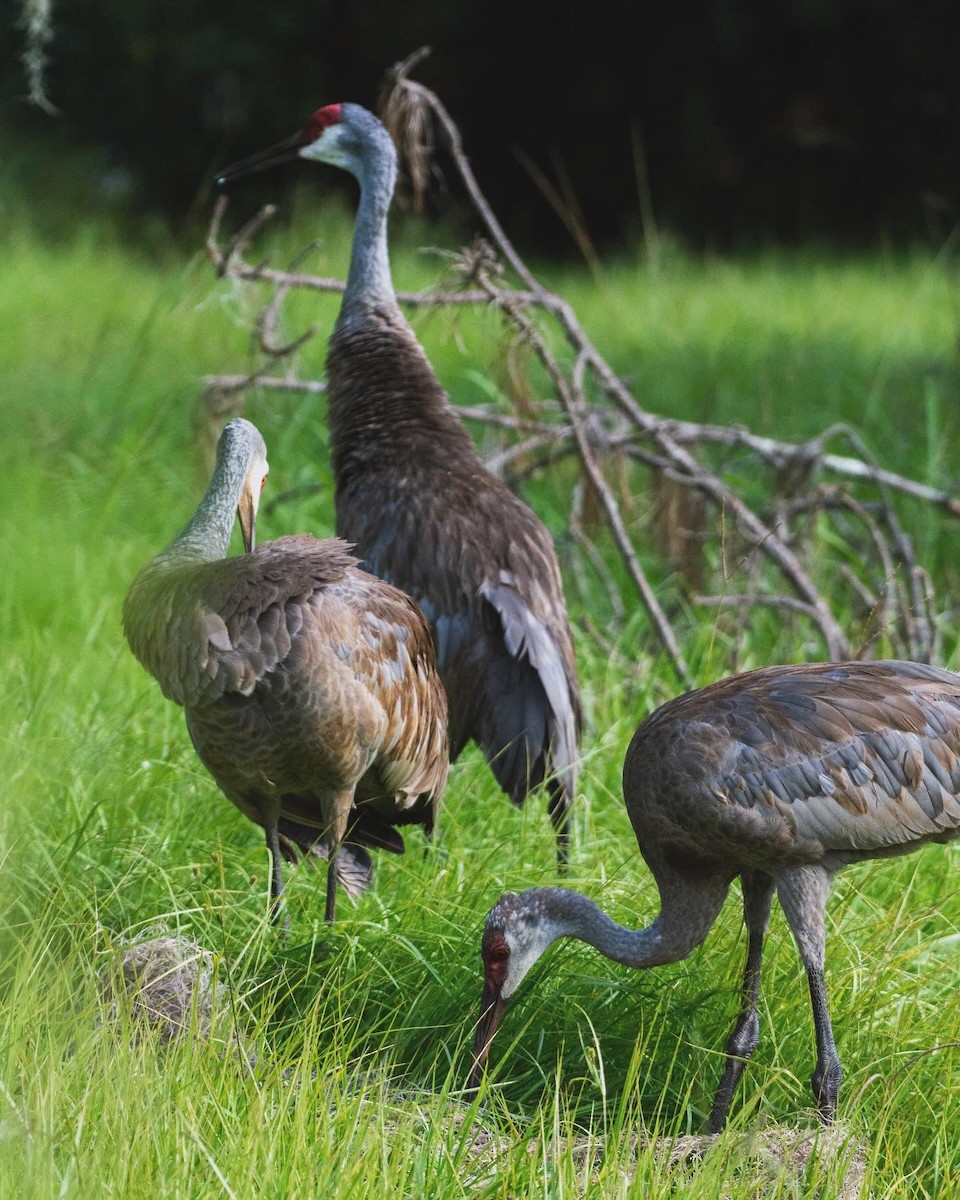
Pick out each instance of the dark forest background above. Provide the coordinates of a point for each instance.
(748, 120)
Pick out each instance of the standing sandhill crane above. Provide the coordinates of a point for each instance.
(310, 687)
(425, 514)
(782, 776)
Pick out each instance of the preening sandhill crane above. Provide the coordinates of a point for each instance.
(424, 513)
(780, 776)
(310, 687)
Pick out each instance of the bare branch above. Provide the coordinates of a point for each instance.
(240, 383)
(758, 599)
(497, 463)
(797, 538)
(479, 201)
(664, 629)
(488, 416)
(267, 324)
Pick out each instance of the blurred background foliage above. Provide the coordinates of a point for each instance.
(744, 122)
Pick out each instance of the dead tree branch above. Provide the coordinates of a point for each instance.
(814, 524)
(618, 528)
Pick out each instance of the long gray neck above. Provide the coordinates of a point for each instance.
(369, 284)
(685, 919)
(633, 947)
(206, 536)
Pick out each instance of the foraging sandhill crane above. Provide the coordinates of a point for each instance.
(310, 687)
(782, 776)
(424, 513)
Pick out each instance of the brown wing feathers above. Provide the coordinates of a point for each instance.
(269, 652)
(203, 629)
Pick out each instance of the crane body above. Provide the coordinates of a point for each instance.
(309, 686)
(781, 776)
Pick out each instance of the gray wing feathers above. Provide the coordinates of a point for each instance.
(528, 637)
(887, 772)
(217, 657)
(803, 763)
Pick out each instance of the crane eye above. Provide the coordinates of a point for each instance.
(263, 482)
(500, 954)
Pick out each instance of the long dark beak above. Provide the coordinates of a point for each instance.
(282, 152)
(247, 512)
(492, 1008)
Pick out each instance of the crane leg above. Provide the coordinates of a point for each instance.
(431, 840)
(330, 910)
(829, 1072)
(803, 893)
(276, 876)
(757, 898)
(333, 837)
(558, 807)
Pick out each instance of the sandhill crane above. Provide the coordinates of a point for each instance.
(310, 687)
(424, 513)
(782, 776)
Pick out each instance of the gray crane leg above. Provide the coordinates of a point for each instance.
(276, 876)
(757, 898)
(829, 1072)
(333, 836)
(331, 906)
(558, 807)
(803, 894)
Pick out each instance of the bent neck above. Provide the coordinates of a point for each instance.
(638, 948)
(685, 918)
(206, 536)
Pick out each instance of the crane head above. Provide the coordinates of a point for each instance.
(517, 931)
(339, 134)
(290, 148)
(242, 446)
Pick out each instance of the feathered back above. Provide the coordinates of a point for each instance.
(425, 514)
(801, 762)
(204, 629)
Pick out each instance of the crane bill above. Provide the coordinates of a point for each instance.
(492, 1008)
(247, 513)
(282, 152)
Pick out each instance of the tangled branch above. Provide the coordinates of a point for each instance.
(621, 450)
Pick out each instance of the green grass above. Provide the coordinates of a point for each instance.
(109, 826)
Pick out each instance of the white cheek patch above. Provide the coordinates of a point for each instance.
(327, 147)
(526, 944)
